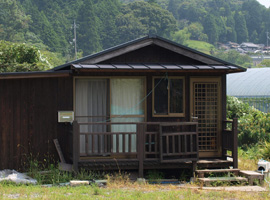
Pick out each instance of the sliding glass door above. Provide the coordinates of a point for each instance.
(91, 106)
(109, 100)
(127, 105)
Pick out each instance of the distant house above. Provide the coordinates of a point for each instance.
(146, 104)
(250, 47)
(253, 87)
(233, 45)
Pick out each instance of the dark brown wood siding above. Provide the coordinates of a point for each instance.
(28, 118)
(153, 54)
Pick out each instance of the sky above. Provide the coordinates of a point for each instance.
(266, 3)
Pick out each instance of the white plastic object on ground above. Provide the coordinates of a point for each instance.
(16, 177)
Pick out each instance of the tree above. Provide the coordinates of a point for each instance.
(235, 57)
(16, 57)
(88, 36)
(106, 13)
(210, 28)
(253, 11)
(181, 36)
(13, 20)
(241, 27)
(172, 7)
(264, 63)
(231, 33)
(141, 18)
(254, 37)
(196, 31)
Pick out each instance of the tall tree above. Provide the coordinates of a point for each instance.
(106, 13)
(210, 28)
(241, 27)
(253, 11)
(141, 18)
(88, 36)
(231, 33)
(172, 7)
(13, 20)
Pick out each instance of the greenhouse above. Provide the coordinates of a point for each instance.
(252, 87)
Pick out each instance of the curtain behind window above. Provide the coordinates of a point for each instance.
(126, 100)
(91, 100)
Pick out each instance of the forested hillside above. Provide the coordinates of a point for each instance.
(101, 24)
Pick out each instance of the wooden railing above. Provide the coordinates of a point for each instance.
(179, 145)
(167, 142)
(230, 140)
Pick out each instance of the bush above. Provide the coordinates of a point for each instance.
(253, 125)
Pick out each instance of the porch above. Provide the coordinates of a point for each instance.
(147, 145)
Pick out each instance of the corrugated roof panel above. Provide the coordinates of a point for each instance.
(104, 66)
(204, 67)
(155, 66)
(220, 67)
(252, 83)
(171, 66)
(122, 66)
(138, 66)
(152, 67)
(77, 66)
(188, 67)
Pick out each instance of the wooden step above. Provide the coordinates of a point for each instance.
(251, 175)
(201, 173)
(207, 181)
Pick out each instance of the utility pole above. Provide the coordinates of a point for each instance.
(75, 38)
(267, 37)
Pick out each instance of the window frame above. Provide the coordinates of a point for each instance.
(110, 116)
(153, 98)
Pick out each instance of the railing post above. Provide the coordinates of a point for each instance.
(140, 147)
(224, 139)
(75, 145)
(235, 143)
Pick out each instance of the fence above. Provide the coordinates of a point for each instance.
(260, 103)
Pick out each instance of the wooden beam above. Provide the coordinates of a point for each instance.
(235, 143)
(76, 145)
(59, 151)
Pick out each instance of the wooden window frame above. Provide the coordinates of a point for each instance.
(109, 93)
(153, 98)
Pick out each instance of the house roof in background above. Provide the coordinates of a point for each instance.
(254, 83)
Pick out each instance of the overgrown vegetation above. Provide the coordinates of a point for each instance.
(134, 191)
(15, 57)
(253, 130)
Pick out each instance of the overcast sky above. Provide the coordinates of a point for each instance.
(266, 3)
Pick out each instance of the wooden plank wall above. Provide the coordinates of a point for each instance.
(28, 118)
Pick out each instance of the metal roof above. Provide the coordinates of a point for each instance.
(253, 83)
(133, 42)
(153, 67)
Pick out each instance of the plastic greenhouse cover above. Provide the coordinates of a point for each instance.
(14, 176)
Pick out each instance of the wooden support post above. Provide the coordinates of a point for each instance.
(140, 147)
(235, 143)
(76, 145)
(194, 168)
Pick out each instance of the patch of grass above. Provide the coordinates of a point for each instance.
(118, 179)
(247, 160)
(155, 175)
(200, 46)
(132, 191)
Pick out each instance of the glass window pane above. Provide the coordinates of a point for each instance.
(161, 96)
(127, 96)
(176, 95)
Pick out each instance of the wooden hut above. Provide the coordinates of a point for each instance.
(146, 104)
